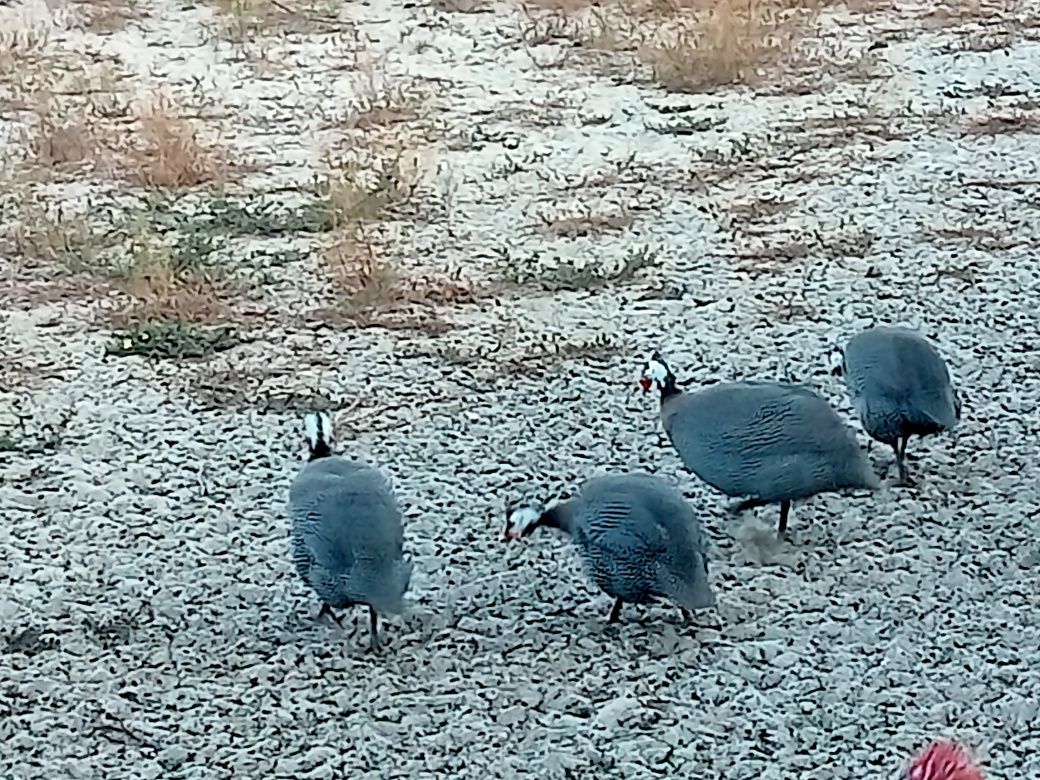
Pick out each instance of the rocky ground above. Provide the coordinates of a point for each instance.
(152, 625)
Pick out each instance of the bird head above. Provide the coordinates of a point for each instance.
(944, 760)
(655, 370)
(521, 520)
(317, 429)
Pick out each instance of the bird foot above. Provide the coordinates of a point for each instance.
(327, 610)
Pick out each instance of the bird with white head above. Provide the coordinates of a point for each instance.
(347, 535)
(638, 538)
(775, 442)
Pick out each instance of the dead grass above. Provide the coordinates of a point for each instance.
(380, 103)
(356, 192)
(959, 12)
(161, 286)
(59, 139)
(688, 45)
(243, 21)
(1004, 124)
(371, 289)
(735, 41)
(588, 221)
(106, 16)
(367, 204)
(21, 51)
(463, 6)
(169, 150)
(360, 277)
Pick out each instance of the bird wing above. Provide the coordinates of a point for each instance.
(763, 439)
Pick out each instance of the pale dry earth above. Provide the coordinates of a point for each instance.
(153, 625)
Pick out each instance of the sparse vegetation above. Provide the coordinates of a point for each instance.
(170, 151)
(172, 340)
(586, 221)
(566, 274)
(243, 21)
(729, 42)
(26, 439)
(106, 16)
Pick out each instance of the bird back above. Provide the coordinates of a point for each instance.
(347, 534)
(769, 440)
(640, 539)
(897, 380)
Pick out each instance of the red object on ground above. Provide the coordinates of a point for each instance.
(944, 760)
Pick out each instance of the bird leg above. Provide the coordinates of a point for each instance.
(327, 610)
(785, 510)
(688, 617)
(373, 636)
(900, 449)
(615, 613)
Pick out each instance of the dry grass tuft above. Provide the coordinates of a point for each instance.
(736, 41)
(242, 21)
(463, 6)
(356, 193)
(586, 223)
(170, 152)
(379, 103)
(366, 203)
(106, 16)
(360, 277)
(1004, 124)
(957, 12)
(61, 138)
(161, 290)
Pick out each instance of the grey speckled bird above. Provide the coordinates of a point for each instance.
(347, 538)
(773, 442)
(900, 387)
(638, 538)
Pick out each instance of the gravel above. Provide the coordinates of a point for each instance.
(153, 625)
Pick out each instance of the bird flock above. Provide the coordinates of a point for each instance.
(639, 539)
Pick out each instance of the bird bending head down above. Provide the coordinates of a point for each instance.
(655, 370)
(944, 760)
(522, 519)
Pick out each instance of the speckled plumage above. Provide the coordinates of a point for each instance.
(639, 540)
(774, 442)
(769, 441)
(347, 536)
(900, 386)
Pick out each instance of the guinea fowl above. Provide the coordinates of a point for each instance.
(900, 387)
(943, 760)
(347, 538)
(638, 538)
(773, 442)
